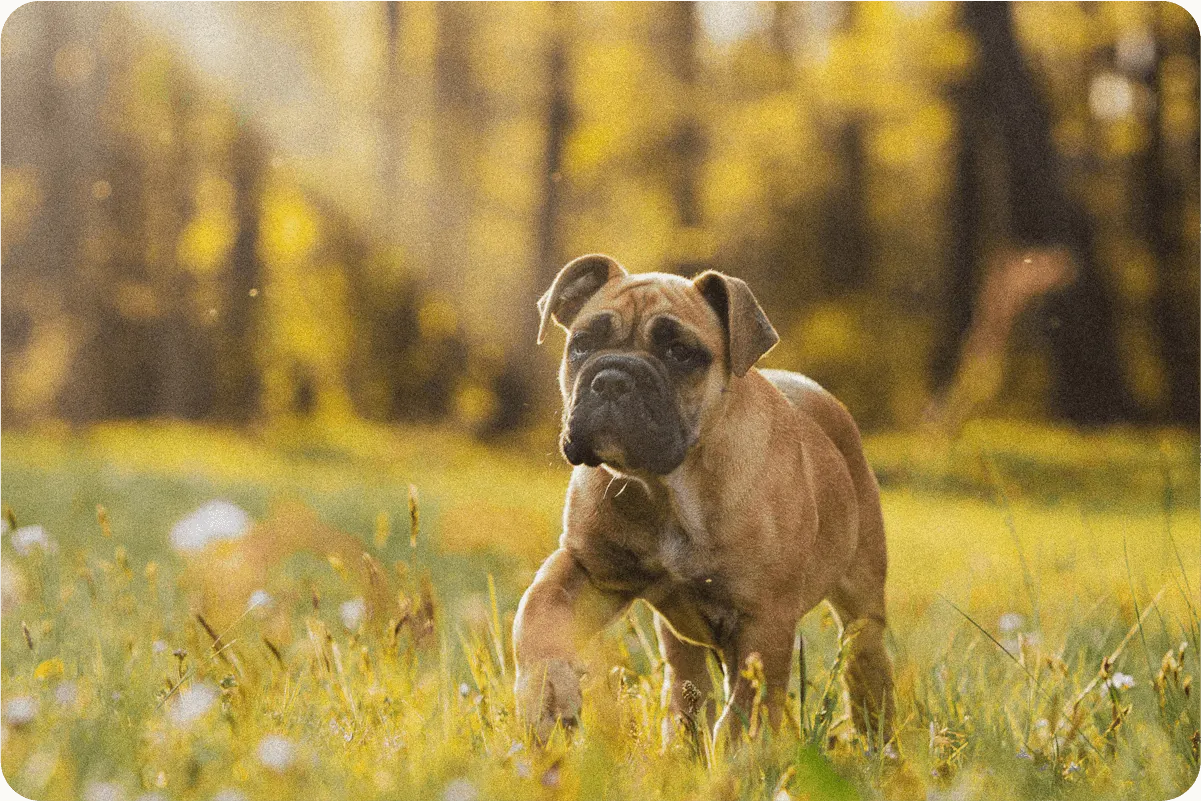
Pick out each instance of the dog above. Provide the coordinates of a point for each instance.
(731, 500)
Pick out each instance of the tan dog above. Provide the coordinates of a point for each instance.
(731, 500)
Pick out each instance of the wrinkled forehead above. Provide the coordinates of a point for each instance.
(635, 300)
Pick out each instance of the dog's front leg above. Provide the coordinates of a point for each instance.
(557, 615)
(766, 644)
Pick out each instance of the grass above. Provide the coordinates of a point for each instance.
(1043, 618)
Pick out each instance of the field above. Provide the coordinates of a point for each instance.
(1043, 599)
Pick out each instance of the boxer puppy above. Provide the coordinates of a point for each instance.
(731, 500)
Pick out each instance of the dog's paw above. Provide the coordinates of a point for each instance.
(548, 692)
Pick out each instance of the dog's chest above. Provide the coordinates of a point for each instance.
(668, 544)
(681, 558)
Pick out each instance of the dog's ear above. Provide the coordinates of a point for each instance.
(572, 287)
(749, 334)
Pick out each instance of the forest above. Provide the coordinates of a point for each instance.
(255, 213)
(279, 445)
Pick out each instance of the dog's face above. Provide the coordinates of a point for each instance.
(647, 360)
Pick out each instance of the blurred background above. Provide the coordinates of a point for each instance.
(320, 213)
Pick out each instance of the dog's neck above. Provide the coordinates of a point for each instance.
(718, 455)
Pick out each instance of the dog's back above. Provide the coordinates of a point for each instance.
(833, 418)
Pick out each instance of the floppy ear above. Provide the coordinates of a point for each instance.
(749, 334)
(572, 287)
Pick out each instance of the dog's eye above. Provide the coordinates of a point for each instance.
(579, 344)
(680, 352)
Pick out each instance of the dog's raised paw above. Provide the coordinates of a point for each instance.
(546, 693)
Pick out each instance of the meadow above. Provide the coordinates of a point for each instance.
(1043, 594)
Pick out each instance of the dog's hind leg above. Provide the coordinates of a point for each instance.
(860, 608)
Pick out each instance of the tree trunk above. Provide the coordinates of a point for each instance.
(392, 123)
(237, 378)
(1163, 200)
(521, 381)
(686, 148)
(1005, 103)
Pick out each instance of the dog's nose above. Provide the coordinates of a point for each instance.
(612, 384)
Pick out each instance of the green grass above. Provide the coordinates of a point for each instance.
(1021, 560)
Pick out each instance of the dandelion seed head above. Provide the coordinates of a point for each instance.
(460, 790)
(258, 598)
(276, 753)
(21, 710)
(38, 769)
(1011, 622)
(192, 702)
(1120, 681)
(12, 586)
(104, 791)
(352, 613)
(229, 794)
(65, 693)
(215, 520)
(26, 538)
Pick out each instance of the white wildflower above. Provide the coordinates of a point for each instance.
(1120, 681)
(276, 753)
(352, 613)
(12, 586)
(65, 693)
(215, 520)
(1011, 622)
(192, 702)
(258, 598)
(158, 646)
(21, 710)
(460, 790)
(38, 769)
(229, 794)
(26, 538)
(104, 791)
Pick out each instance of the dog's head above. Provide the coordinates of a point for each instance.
(647, 360)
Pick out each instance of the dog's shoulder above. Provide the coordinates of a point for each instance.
(813, 401)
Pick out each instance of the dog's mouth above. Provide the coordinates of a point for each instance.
(623, 414)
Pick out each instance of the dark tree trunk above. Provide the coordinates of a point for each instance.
(392, 122)
(1079, 321)
(237, 376)
(846, 231)
(686, 148)
(1163, 199)
(68, 111)
(519, 381)
(460, 108)
(558, 121)
(185, 359)
(966, 243)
